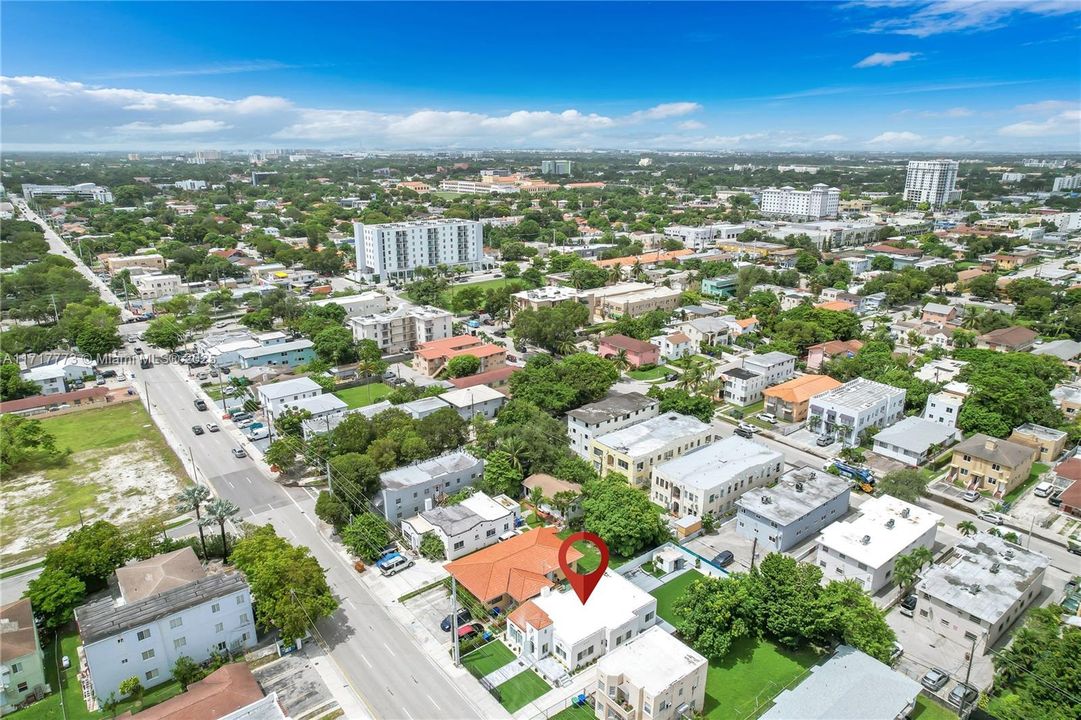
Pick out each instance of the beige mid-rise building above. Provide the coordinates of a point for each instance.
(652, 677)
(988, 464)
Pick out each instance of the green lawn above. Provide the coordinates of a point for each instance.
(363, 394)
(591, 556)
(521, 690)
(583, 712)
(668, 593)
(652, 374)
(444, 195)
(23, 569)
(73, 707)
(749, 676)
(928, 709)
(489, 658)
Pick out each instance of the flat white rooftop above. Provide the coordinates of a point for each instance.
(651, 435)
(858, 394)
(613, 602)
(885, 527)
(471, 396)
(718, 463)
(653, 661)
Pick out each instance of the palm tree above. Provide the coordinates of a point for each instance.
(620, 360)
(843, 431)
(536, 497)
(191, 499)
(219, 511)
(367, 368)
(516, 450)
(973, 315)
(814, 422)
(967, 527)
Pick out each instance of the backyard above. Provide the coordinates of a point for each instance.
(522, 689)
(120, 469)
(591, 556)
(575, 712)
(488, 658)
(446, 300)
(68, 703)
(743, 683)
(668, 593)
(363, 395)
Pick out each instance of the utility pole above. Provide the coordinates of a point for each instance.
(1031, 525)
(56, 313)
(330, 482)
(454, 619)
(968, 672)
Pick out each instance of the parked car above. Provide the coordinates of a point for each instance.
(242, 415)
(724, 558)
(138, 351)
(1056, 499)
(908, 606)
(463, 618)
(197, 429)
(100, 382)
(200, 404)
(224, 370)
(244, 423)
(467, 631)
(1043, 489)
(213, 427)
(970, 496)
(823, 440)
(898, 651)
(768, 417)
(935, 679)
(991, 517)
(963, 695)
(744, 433)
(393, 564)
(108, 374)
(239, 453)
(258, 433)
(66, 662)
(747, 426)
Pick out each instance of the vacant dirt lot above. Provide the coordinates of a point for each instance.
(120, 470)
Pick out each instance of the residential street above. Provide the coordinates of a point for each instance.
(384, 666)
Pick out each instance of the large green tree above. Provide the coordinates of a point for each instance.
(622, 515)
(366, 535)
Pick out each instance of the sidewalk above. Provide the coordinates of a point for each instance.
(347, 698)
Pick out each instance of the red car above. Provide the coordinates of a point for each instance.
(468, 631)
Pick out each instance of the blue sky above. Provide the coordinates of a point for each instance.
(884, 75)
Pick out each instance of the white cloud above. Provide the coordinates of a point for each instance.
(190, 127)
(691, 125)
(893, 138)
(831, 138)
(1062, 124)
(665, 111)
(920, 18)
(881, 59)
(216, 69)
(1048, 106)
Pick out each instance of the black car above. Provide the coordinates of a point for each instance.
(200, 404)
(197, 429)
(108, 374)
(463, 618)
(908, 605)
(224, 370)
(1056, 499)
(723, 558)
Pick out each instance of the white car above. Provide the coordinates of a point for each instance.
(213, 427)
(991, 517)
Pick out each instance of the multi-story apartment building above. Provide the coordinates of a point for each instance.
(23, 675)
(821, 201)
(932, 181)
(392, 250)
(793, 510)
(431, 358)
(655, 674)
(476, 522)
(711, 479)
(366, 303)
(1067, 182)
(847, 411)
(557, 624)
(605, 416)
(983, 589)
(991, 465)
(408, 490)
(633, 451)
(158, 285)
(774, 367)
(556, 167)
(167, 606)
(86, 191)
(1049, 442)
(789, 401)
(866, 548)
(403, 328)
(287, 354)
(50, 378)
(152, 261)
(633, 304)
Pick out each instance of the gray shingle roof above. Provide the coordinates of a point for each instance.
(994, 450)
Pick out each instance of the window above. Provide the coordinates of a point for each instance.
(148, 654)
(142, 634)
(216, 607)
(175, 623)
(16, 668)
(151, 674)
(243, 620)
(219, 627)
(179, 643)
(22, 687)
(239, 599)
(459, 545)
(490, 533)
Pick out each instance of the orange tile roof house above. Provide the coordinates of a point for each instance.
(789, 400)
(836, 306)
(820, 353)
(513, 571)
(650, 258)
(431, 357)
(639, 352)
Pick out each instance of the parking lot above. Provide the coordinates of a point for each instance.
(429, 609)
(389, 589)
(298, 684)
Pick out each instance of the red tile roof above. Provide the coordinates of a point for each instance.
(36, 401)
(529, 612)
(1071, 496)
(485, 378)
(224, 691)
(517, 567)
(622, 342)
(1070, 469)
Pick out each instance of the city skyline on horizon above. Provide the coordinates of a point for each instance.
(911, 77)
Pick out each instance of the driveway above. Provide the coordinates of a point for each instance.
(429, 609)
(300, 688)
(725, 537)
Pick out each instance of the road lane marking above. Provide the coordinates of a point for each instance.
(366, 662)
(388, 647)
(437, 706)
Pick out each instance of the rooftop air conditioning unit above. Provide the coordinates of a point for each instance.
(890, 523)
(865, 540)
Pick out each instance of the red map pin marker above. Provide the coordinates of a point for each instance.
(583, 584)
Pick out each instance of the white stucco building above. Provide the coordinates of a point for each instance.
(656, 674)
(403, 328)
(275, 397)
(397, 249)
(932, 181)
(474, 523)
(821, 201)
(605, 416)
(558, 624)
(847, 411)
(711, 479)
(410, 489)
(866, 548)
(166, 607)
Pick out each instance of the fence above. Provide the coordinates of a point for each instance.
(572, 701)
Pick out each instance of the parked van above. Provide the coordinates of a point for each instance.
(393, 564)
(259, 433)
(1043, 489)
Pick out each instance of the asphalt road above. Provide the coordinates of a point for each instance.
(383, 665)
